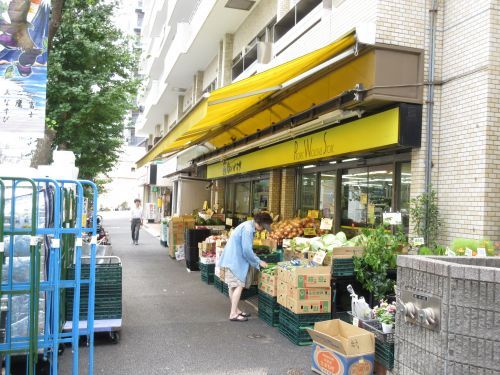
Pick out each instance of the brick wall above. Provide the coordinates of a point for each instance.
(275, 191)
(287, 207)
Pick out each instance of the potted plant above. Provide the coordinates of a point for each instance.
(378, 259)
(385, 313)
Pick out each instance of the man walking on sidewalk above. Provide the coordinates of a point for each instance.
(137, 217)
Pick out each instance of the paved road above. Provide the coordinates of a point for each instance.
(175, 324)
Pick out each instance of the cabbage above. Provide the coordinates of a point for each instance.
(341, 237)
(328, 239)
(317, 244)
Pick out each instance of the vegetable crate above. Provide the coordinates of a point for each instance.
(384, 353)
(342, 267)
(293, 326)
(219, 284)
(274, 257)
(207, 272)
(269, 309)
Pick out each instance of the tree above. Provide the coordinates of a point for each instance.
(90, 85)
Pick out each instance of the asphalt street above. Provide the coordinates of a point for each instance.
(175, 324)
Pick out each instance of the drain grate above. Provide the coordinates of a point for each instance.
(256, 336)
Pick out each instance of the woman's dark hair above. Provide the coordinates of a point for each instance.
(263, 218)
(137, 200)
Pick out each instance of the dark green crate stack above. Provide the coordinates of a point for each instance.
(384, 353)
(293, 326)
(207, 272)
(342, 267)
(269, 310)
(218, 284)
(108, 292)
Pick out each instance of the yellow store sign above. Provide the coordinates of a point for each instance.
(369, 133)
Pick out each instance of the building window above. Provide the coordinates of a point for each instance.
(327, 194)
(260, 195)
(366, 195)
(211, 86)
(404, 195)
(294, 16)
(308, 187)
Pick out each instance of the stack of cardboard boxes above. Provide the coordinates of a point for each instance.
(304, 289)
(177, 232)
(268, 282)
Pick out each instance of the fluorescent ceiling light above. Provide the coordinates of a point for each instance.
(380, 172)
(308, 166)
(333, 162)
(346, 160)
(240, 4)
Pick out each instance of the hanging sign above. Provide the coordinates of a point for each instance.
(313, 214)
(23, 66)
(326, 224)
(392, 218)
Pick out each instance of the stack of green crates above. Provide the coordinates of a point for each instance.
(108, 292)
(293, 326)
(269, 310)
(342, 267)
(219, 284)
(207, 272)
(384, 353)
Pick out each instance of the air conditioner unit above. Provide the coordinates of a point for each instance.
(264, 52)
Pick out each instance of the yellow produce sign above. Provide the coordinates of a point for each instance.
(369, 133)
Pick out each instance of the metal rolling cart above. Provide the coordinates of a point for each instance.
(33, 285)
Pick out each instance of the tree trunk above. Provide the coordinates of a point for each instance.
(55, 20)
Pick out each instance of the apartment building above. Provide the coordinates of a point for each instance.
(350, 107)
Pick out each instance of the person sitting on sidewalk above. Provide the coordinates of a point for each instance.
(238, 257)
(137, 217)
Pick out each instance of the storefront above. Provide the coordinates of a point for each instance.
(352, 172)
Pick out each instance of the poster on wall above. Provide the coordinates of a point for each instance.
(24, 26)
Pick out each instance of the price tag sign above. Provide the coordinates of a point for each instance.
(205, 205)
(450, 252)
(229, 222)
(355, 321)
(319, 257)
(418, 241)
(481, 252)
(313, 213)
(392, 218)
(326, 224)
(287, 242)
(309, 231)
(468, 252)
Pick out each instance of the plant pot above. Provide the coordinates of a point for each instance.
(387, 328)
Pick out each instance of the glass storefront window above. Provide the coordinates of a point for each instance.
(260, 195)
(242, 198)
(379, 193)
(354, 197)
(327, 194)
(308, 190)
(404, 194)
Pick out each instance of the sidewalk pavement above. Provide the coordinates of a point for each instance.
(152, 228)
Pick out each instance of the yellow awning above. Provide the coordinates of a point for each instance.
(227, 103)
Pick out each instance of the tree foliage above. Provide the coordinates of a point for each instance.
(424, 212)
(90, 85)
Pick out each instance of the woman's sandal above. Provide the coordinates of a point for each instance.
(246, 315)
(239, 318)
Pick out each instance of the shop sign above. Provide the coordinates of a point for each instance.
(368, 133)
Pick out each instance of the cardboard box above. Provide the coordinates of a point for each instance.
(271, 289)
(309, 306)
(177, 229)
(341, 349)
(301, 277)
(282, 293)
(268, 278)
(302, 294)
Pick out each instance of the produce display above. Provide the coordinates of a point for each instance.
(261, 249)
(464, 246)
(294, 227)
(327, 243)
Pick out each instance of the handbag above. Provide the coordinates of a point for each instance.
(250, 277)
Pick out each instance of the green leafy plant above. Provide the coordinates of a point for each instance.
(425, 215)
(379, 257)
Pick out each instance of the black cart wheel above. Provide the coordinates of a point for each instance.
(115, 337)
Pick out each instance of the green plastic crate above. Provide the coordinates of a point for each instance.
(296, 339)
(268, 309)
(303, 319)
(384, 353)
(218, 284)
(275, 257)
